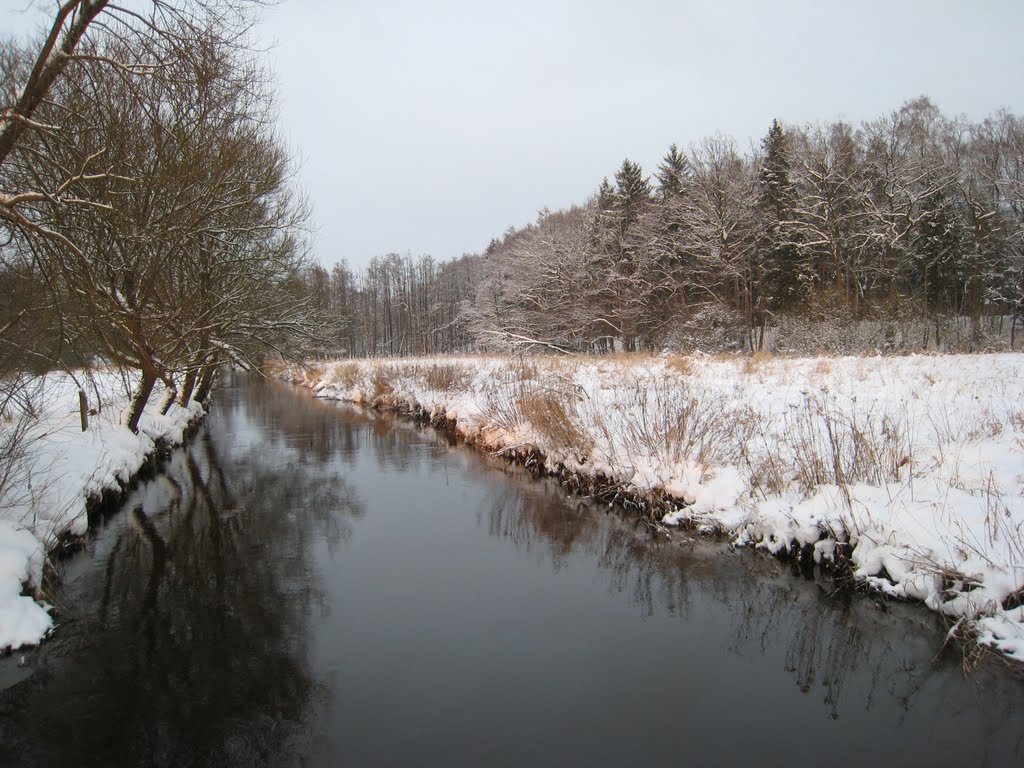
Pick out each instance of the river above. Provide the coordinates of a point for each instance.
(310, 584)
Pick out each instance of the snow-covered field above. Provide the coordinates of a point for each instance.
(910, 468)
(46, 491)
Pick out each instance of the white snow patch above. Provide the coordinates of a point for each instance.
(63, 467)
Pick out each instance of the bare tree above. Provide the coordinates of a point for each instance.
(186, 252)
(67, 51)
(721, 227)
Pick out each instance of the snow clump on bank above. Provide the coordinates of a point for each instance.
(59, 468)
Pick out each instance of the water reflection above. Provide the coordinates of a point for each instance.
(189, 645)
(851, 657)
(853, 653)
(315, 583)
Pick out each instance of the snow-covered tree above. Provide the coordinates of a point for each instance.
(777, 260)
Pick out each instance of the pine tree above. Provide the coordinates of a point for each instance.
(776, 250)
(605, 196)
(672, 225)
(633, 192)
(937, 247)
(623, 237)
(673, 174)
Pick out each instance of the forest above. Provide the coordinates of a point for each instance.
(901, 234)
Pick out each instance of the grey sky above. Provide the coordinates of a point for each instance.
(430, 127)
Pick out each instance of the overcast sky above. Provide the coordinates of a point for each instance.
(433, 126)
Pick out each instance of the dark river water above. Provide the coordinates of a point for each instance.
(311, 585)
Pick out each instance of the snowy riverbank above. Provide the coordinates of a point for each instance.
(910, 469)
(48, 489)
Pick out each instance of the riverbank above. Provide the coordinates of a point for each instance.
(59, 474)
(907, 471)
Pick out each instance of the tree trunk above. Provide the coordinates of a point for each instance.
(206, 382)
(83, 409)
(169, 398)
(187, 387)
(141, 397)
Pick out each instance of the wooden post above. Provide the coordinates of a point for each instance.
(83, 409)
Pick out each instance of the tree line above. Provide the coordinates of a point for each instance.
(913, 221)
(148, 215)
(397, 305)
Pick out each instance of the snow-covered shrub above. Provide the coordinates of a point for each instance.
(447, 377)
(552, 414)
(828, 445)
(896, 334)
(345, 374)
(710, 328)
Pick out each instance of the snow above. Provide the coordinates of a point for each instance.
(63, 468)
(22, 619)
(916, 463)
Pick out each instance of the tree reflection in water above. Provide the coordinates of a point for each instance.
(197, 651)
(854, 651)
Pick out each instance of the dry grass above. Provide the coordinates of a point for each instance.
(682, 366)
(662, 421)
(273, 368)
(753, 363)
(671, 418)
(951, 429)
(627, 358)
(524, 394)
(382, 382)
(819, 443)
(1016, 418)
(525, 370)
(988, 427)
(562, 366)
(1003, 538)
(553, 415)
(501, 394)
(767, 468)
(676, 423)
(314, 372)
(448, 377)
(948, 427)
(831, 447)
(345, 374)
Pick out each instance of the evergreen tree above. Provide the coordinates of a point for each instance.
(632, 199)
(672, 225)
(605, 195)
(626, 249)
(673, 174)
(776, 251)
(936, 252)
(633, 192)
